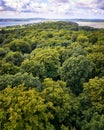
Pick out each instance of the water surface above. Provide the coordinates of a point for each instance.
(13, 23)
(92, 24)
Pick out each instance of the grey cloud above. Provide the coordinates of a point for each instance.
(82, 6)
(8, 6)
(21, 6)
(63, 1)
(60, 1)
(4, 7)
(100, 4)
(29, 11)
(67, 7)
(2, 4)
(93, 4)
(102, 7)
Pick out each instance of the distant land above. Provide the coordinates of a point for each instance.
(96, 23)
(88, 20)
(19, 19)
(28, 19)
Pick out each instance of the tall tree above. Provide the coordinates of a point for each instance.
(75, 71)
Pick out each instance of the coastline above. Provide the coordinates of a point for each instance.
(92, 24)
(4, 24)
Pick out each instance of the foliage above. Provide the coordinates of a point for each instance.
(20, 45)
(75, 71)
(94, 91)
(62, 99)
(14, 57)
(22, 109)
(51, 77)
(27, 79)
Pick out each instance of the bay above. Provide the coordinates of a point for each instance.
(92, 24)
(14, 23)
(80, 23)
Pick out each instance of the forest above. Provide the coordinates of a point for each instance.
(51, 77)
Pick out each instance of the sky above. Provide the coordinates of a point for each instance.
(63, 9)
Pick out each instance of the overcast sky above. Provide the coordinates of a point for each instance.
(52, 9)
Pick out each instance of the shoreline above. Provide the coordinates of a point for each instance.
(99, 25)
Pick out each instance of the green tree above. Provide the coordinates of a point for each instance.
(20, 45)
(49, 58)
(8, 68)
(92, 105)
(2, 52)
(98, 59)
(82, 39)
(96, 123)
(14, 57)
(94, 91)
(75, 71)
(34, 67)
(14, 80)
(92, 38)
(63, 100)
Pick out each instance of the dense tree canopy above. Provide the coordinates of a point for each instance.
(75, 71)
(24, 110)
(51, 77)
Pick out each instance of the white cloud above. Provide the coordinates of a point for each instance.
(54, 8)
(1, 8)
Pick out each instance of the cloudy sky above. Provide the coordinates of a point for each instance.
(52, 9)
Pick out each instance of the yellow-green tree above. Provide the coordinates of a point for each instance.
(63, 101)
(92, 104)
(22, 109)
(45, 63)
(94, 91)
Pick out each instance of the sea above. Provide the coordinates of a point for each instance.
(92, 24)
(14, 23)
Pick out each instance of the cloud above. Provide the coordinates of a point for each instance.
(3, 6)
(60, 1)
(90, 8)
(100, 4)
(62, 8)
(23, 5)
